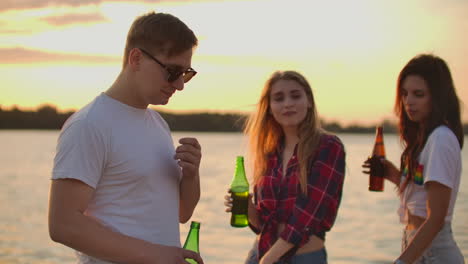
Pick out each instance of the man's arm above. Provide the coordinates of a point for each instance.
(189, 197)
(69, 226)
(188, 155)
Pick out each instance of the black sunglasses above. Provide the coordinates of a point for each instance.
(173, 72)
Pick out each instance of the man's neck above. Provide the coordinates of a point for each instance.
(123, 91)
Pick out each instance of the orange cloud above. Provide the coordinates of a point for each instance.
(33, 4)
(19, 55)
(69, 19)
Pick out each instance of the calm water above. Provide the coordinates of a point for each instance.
(366, 230)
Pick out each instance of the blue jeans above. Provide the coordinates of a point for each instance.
(443, 249)
(316, 257)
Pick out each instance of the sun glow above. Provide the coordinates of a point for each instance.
(350, 51)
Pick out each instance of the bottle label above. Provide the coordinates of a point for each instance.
(377, 168)
(240, 203)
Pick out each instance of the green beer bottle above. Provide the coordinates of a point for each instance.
(240, 195)
(191, 243)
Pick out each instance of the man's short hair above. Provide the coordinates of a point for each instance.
(160, 33)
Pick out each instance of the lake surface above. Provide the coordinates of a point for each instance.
(366, 230)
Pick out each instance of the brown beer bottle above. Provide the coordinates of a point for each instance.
(377, 170)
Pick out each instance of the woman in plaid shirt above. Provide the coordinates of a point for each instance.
(298, 174)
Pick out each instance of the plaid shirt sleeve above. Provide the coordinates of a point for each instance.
(316, 211)
(254, 229)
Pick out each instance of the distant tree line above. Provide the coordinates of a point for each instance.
(205, 122)
(47, 117)
(388, 127)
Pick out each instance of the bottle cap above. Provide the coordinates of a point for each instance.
(195, 224)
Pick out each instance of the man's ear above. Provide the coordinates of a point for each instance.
(134, 58)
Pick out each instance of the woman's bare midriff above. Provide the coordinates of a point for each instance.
(313, 244)
(414, 222)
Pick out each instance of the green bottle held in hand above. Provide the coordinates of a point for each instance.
(240, 196)
(191, 243)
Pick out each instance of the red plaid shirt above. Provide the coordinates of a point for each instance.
(279, 199)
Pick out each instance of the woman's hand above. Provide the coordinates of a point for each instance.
(266, 260)
(279, 248)
(252, 212)
(228, 201)
(391, 172)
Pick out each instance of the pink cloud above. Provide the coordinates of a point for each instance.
(19, 55)
(68, 19)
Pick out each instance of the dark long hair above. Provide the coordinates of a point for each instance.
(445, 108)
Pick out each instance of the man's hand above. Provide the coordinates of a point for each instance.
(188, 155)
(173, 255)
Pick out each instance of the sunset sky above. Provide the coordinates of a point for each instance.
(65, 52)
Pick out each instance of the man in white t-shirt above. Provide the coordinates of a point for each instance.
(119, 187)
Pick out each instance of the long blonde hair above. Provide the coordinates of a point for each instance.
(265, 133)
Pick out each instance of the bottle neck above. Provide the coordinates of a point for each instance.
(239, 182)
(240, 166)
(379, 148)
(193, 233)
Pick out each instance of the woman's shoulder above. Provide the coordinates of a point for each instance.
(328, 138)
(331, 141)
(443, 135)
(442, 139)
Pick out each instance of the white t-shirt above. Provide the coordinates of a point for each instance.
(439, 161)
(127, 155)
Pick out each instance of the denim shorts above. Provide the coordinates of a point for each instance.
(443, 249)
(316, 257)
